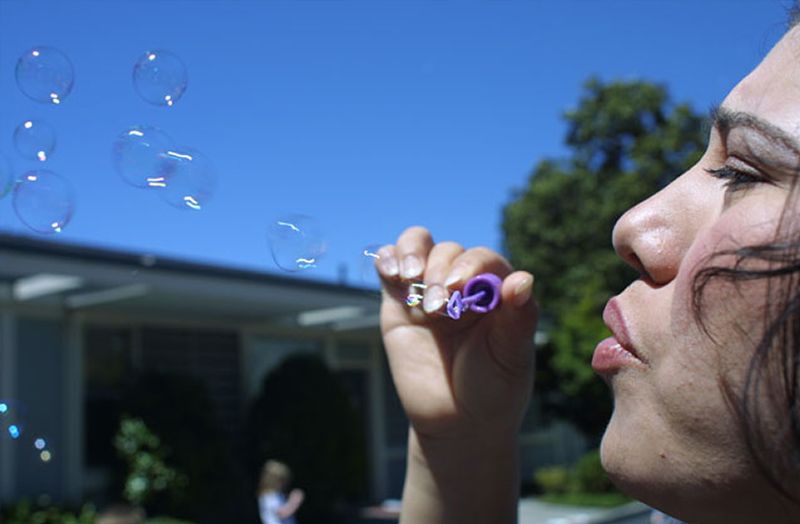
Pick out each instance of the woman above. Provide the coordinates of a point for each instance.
(703, 362)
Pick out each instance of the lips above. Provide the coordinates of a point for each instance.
(616, 352)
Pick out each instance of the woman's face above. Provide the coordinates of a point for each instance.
(673, 441)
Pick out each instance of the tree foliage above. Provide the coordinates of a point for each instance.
(304, 417)
(627, 141)
(179, 409)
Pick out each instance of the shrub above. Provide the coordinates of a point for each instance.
(589, 476)
(148, 473)
(553, 479)
(586, 476)
(26, 513)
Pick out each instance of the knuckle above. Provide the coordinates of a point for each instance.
(415, 231)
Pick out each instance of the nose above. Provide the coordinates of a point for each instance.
(654, 236)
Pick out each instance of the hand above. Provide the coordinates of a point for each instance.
(296, 496)
(457, 380)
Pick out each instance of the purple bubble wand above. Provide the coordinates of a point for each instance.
(481, 294)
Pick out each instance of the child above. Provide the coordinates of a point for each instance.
(273, 506)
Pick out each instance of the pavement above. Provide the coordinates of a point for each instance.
(533, 511)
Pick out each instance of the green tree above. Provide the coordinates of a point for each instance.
(303, 416)
(627, 141)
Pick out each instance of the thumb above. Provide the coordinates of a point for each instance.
(515, 321)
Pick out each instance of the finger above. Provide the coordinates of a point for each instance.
(388, 267)
(473, 262)
(412, 250)
(440, 259)
(515, 321)
(386, 263)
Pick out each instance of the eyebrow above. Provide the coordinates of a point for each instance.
(725, 120)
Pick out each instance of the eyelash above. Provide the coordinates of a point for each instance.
(735, 178)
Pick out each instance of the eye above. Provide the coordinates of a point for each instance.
(736, 179)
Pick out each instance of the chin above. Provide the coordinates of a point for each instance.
(632, 466)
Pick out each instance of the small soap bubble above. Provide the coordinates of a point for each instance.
(296, 242)
(6, 176)
(45, 456)
(43, 201)
(160, 77)
(10, 420)
(416, 292)
(45, 74)
(192, 180)
(369, 255)
(35, 140)
(140, 157)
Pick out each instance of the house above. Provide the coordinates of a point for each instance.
(75, 320)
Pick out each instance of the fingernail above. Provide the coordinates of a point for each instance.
(522, 293)
(454, 278)
(434, 298)
(389, 265)
(412, 266)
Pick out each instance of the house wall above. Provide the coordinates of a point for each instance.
(41, 366)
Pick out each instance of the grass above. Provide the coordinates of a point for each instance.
(597, 500)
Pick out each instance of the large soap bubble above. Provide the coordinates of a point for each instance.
(140, 157)
(45, 74)
(192, 179)
(44, 201)
(160, 77)
(35, 140)
(296, 242)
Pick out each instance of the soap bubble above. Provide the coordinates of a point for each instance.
(191, 181)
(368, 275)
(35, 140)
(6, 176)
(160, 77)
(42, 449)
(11, 426)
(43, 201)
(139, 156)
(296, 242)
(45, 74)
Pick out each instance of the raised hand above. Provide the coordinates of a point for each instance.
(464, 384)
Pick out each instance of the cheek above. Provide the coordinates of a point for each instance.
(702, 354)
(729, 309)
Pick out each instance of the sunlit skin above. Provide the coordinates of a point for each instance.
(672, 441)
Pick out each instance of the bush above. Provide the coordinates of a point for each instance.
(589, 475)
(26, 513)
(586, 476)
(553, 479)
(148, 473)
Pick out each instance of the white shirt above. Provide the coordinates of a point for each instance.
(268, 505)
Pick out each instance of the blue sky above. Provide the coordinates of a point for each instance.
(368, 115)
